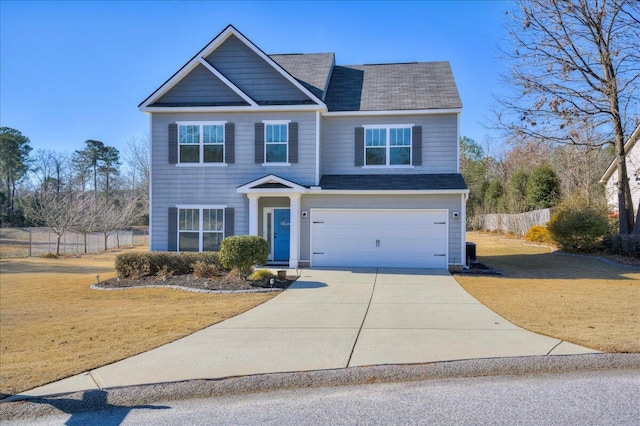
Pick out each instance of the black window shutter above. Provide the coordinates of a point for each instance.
(173, 143)
(173, 229)
(416, 145)
(359, 147)
(293, 142)
(229, 225)
(259, 143)
(229, 143)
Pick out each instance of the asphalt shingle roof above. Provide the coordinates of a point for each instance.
(451, 181)
(387, 87)
(311, 69)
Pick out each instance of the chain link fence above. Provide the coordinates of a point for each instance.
(28, 242)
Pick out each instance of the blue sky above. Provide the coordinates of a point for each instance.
(76, 70)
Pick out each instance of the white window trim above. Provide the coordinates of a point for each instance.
(200, 231)
(275, 122)
(201, 143)
(388, 128)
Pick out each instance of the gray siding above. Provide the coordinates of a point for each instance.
(216, 185)
(252, 74)
(450, 202)
(439, 144)
(200, 86)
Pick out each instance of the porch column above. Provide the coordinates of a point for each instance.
(253, 213)
(294, 230)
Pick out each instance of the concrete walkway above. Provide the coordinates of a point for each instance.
(332, 319)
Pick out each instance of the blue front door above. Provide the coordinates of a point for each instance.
(281, 224)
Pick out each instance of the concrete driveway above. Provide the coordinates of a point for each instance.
(331, 319)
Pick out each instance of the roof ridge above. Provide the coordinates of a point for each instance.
(293, 54)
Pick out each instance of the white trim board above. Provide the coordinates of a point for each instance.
(199, 58)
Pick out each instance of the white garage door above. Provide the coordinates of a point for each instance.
(379, 238)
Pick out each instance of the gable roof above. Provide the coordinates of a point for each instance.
(313, 70)
(627, 149)
(302, 81)
(387, 87)
(203, 57)
(271, 183)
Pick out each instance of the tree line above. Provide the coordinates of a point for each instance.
(87, 190)
(531, 175)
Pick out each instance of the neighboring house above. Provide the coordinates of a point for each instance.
(610, 177)
(337, 166)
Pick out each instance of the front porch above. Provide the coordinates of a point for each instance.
(274, 214)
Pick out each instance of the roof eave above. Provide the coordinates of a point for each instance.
(428, 111)
(627, 148)
(310, 108)
(207, 50)
(320, 190)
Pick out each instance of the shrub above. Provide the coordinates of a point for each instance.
(164, 273)
(243, 251)
(538, 234)
(205, 270)
(578, 230)
(137, 265)
(262, 275)
(625, 245)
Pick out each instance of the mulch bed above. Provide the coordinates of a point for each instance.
(477, 268)
(224, 283)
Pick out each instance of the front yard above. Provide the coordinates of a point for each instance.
(577, 299)
(52, 325)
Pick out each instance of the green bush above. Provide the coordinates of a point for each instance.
(138, 265)
(243, 251)
(625, 245)
(578, 230)
(538, 234)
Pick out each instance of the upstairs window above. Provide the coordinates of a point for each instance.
(276, 143)
(201, 143)
(387, 146)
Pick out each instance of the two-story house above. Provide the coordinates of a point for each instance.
(336, 166)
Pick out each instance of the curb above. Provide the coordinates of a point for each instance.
(94, 400)
(190, 289)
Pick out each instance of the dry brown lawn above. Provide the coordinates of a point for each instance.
(580, 300)
(52, 325)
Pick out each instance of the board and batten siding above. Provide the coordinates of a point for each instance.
(439, 144)
(200, 86)
(173, 184)
(452, 202)
(252, 74)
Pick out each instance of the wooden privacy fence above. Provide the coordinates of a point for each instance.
(517, 224)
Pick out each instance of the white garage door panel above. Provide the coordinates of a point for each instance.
(387, 238)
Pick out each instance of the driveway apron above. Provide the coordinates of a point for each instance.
(331, 319)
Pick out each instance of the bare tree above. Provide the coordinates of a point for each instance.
(111, 215)
(58, 211)
(576, 64)
(136, 155)
(49, 168)
(86, 223)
